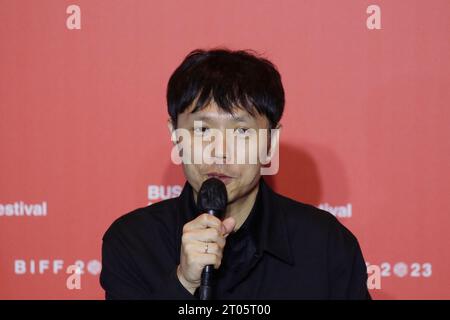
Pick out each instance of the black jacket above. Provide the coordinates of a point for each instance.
(301, 253)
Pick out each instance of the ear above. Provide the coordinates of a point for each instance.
(274, 144)
(171, 127)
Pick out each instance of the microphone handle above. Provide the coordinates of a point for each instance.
(206, 286)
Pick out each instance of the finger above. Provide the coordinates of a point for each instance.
(212, 248)
(229, 224)
(202, 247)
(205, 259)
(203, 221)
(204, 235)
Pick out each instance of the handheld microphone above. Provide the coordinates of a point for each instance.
(212, 199)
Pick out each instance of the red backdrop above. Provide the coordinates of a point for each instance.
(83, 136)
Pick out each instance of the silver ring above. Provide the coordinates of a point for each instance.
(206, 247)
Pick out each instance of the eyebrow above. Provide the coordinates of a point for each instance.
(242, 118)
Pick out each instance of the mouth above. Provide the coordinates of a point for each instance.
(223, 177)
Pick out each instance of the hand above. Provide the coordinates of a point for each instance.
(204, 229)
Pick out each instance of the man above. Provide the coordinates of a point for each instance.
(267, 246)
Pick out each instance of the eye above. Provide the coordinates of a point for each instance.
(242, 131)
(201, 130)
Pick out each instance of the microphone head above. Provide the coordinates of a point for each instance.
(212, 196)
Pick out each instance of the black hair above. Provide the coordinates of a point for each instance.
(233, 79)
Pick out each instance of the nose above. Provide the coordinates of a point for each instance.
(219, 146)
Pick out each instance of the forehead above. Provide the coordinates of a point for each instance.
(212, 113)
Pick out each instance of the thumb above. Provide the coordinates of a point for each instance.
(229, 224)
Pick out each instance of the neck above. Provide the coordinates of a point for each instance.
(241, 208)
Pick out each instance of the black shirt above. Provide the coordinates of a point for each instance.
(238, 254)
(284, 250)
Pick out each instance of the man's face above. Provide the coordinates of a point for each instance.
(239, 178)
